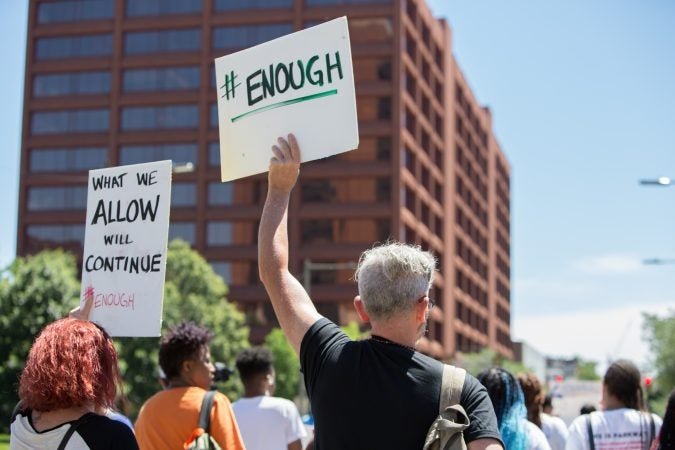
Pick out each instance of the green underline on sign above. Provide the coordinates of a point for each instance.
(284, 103)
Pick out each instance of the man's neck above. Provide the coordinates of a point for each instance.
(396, 330)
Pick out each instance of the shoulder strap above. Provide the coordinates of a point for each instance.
(451, 386)
(205, 411)
(71, 430)
(589, 427)
(652, 430)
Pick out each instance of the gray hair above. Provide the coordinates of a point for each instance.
(391, 277)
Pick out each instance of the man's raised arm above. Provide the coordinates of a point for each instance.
(293, 307)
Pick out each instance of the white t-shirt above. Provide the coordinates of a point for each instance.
(616, 429)
(536, 440)
(268, 423)
(555, 430)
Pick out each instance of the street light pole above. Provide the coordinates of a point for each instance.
(660, 181)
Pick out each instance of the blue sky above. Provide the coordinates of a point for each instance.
(583, 102)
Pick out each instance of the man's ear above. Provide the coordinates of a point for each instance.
(360, 310)
(421, 310)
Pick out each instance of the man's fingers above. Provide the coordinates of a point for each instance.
(295, 149)
(278, 154)
(283, 144)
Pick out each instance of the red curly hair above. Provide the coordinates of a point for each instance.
(72, 363)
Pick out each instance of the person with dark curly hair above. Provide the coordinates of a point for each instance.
(69, 383)
(168, 418)
(258, 409)
(507, 398)
(622, 422)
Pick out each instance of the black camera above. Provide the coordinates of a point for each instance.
(223, 373)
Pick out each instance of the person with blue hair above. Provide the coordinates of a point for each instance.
(509, 405)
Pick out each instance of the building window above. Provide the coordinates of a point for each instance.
(136, 8)
(213, 115)
(317, 191)
(235, 5)
(140, 42)
(248, 35)
(161, 79)
(224, 269)
(159, 117)
(219, 232)
(182, 230)
(137, 154)
(73, 46)
(39, 236)
(316, 231)
(384, 108)
(74, 121)
(74, 10)
(81, 83)
(57, 198)
(183, 195)
(383, 152)
(67, 159)
(214, 154)
(221, 194)
(342, 2)
(383, 190)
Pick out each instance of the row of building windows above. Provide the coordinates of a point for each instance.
(329, 231)
(157, 41)
(466, 224)
(472, 259)
(79, 10)
(466, 194)
(465, 106)
(471, 144)
(502, 218)
(424, 211)
(77, 83)
(465, 344)
(466, 167)
(504, 338)
(420, 171)
(501, 170)
(503, 267)
(503, 290)
(352, 190)
(503, 314)
(502, 194)
(471, 317)
(502, 241)
(468, 286)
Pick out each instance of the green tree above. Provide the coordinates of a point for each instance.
(34, 291)
(286, 364)
(474, 363)
(192, 292)
(660, 334)
(586, 370)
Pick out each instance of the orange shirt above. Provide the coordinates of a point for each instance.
(168, 418)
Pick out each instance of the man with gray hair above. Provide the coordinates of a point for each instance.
(378, 393)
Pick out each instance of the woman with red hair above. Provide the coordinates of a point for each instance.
(69, 382)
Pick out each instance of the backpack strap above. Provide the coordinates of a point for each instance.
(652, 431)
(205, 411)
(589, 428)
(451, 386)
(71, 430)
(18, 409)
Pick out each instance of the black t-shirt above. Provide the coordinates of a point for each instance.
(96, 432)
(374, 395)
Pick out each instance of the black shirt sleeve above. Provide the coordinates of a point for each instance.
(476, 402)
(321, 340)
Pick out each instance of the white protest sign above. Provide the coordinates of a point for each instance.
(302, 83)
(125, 246)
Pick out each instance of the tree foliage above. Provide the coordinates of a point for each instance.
(660, 334)
(286, 364)
(34, 291)
(192, 292)
(586, 370)
(474, 363)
